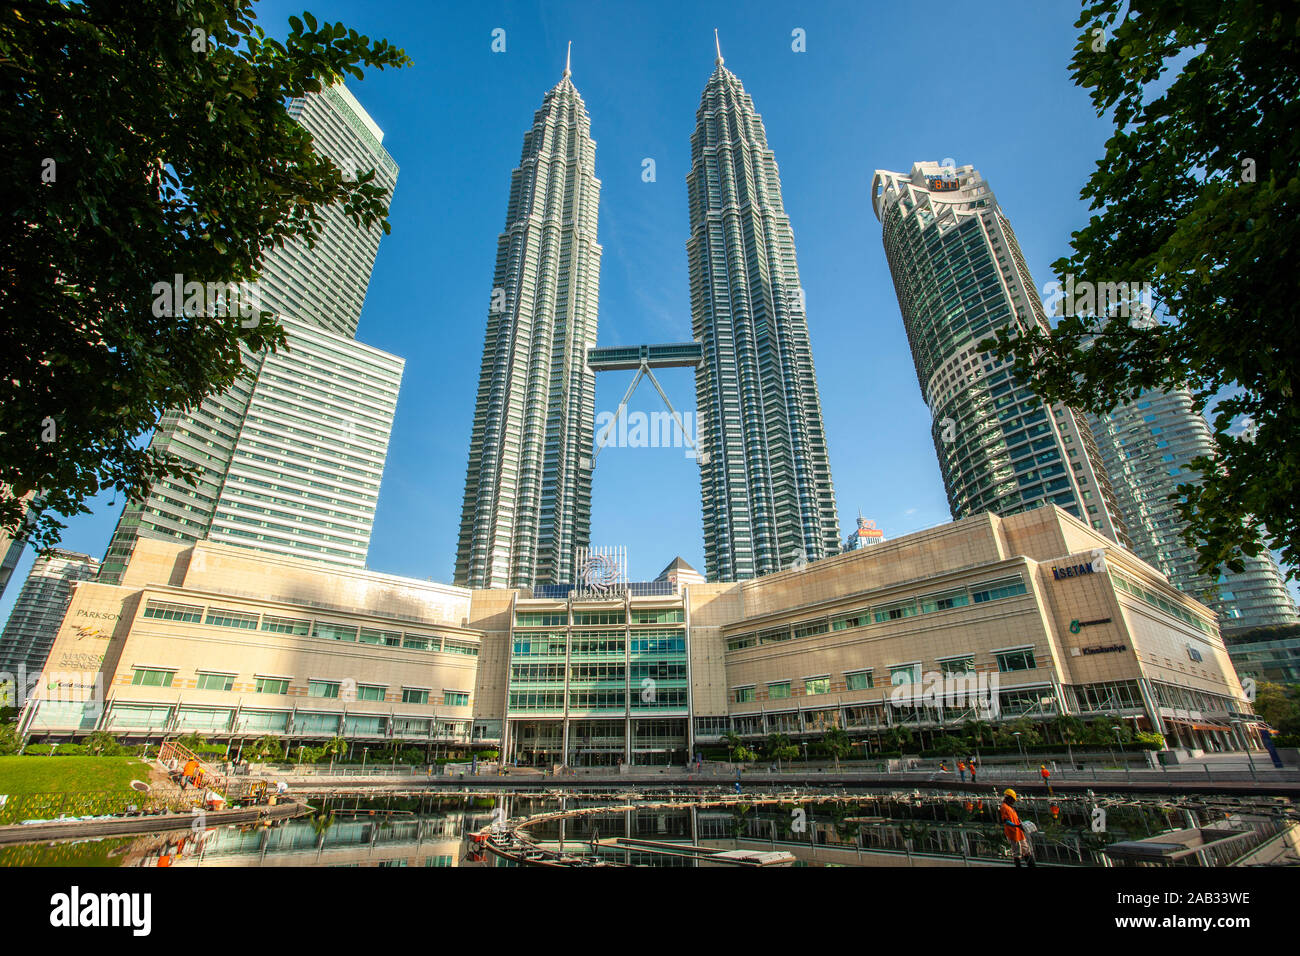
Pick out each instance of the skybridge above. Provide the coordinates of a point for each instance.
(642, 359)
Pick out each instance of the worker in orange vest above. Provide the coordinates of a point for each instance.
(1014, 831)
(1045, 773)
(961, 769)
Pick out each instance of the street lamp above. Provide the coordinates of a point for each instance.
(1021, 745)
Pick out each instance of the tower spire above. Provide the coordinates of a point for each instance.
(567, 58)
(717, 44)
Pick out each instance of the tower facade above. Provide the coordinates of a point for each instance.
(527, 499)
(765, 477)
(317, 295)
(1147, 445)
(39, 608)
(960, 275)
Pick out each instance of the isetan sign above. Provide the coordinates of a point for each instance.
(1072, 571)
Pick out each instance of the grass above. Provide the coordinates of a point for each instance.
(78, 785)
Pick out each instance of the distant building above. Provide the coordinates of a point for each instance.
(39, 609)
(1146, 446)
(866, 535)
(1269, 653)
(679, 573)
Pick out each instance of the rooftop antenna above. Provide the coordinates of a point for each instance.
(567, 58)
(718, 46)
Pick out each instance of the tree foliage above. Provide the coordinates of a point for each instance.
(140, 141)
(1199, 195)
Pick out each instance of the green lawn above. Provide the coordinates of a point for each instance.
(104, 782)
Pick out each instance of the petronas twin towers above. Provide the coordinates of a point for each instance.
(768, 502)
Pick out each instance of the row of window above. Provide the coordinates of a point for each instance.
(598, 699)
(1008, 661)
(880, 614)
(211, 680)
(1132, 587)
(603, 618)
(306, 627)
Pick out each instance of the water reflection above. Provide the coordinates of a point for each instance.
(880, 830)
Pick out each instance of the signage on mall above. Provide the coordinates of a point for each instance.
(1072, 571)
(1104, 649)
(1076, 625)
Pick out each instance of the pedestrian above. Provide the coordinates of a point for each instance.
(970, 762)
(1022, 853)
(961, 769)
(1045, 774)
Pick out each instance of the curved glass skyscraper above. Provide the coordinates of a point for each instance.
(764, 473)
(960, 275)
(1147, 445)
(528, 486)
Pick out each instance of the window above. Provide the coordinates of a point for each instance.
(601, 618)
(459, 647)
(334, 632)
(816, 685)
(385, 638)
(862, 680)
(414, 695)
(743, 695)
(779, 690)
(893, 612)
(371, 692)
(148, 677)
(1020, 660)
(901, 674)
(272, 685)
(657, 616)
(943, 602)
(813, 627)
(173, 612)
(535, 619)
(957, 665)
(415, 642)
(455, 698)
(215, 681)
(322, 688)
(286, 625)
(240, 619)
(856, 619)
(1001, 588)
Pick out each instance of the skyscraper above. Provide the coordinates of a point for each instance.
(960, 275)
(1146, 446)
(765, 474)
(39, 608)
(309, 289)
(528, 485)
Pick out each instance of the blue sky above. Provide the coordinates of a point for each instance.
(881, 85)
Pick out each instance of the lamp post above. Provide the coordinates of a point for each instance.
(365, 752)
(1019, 743)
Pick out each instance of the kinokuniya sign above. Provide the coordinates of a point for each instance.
(1105, 649)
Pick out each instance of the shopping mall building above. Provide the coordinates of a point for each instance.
(987, 618)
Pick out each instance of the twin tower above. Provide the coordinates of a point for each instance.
(765, 479)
